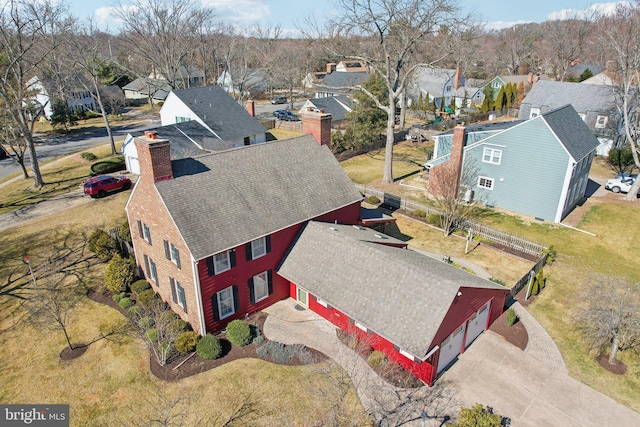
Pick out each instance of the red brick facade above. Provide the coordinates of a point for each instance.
(319, 125)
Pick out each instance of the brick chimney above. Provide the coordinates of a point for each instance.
(456, 85)
(251, 107)
(457, 152)
(331, 67)
(154, 156)
(317, 123)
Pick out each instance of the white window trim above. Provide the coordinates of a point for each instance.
(255, 255)
(486, 178)
(604, 120)
(153, 270)
(492, 153)
(172, 251)
(180, 296)
(146, 233)
(233, 308)
(322, 303)
(361, 326)
(215, 263)
(495, 85)
(264, 276)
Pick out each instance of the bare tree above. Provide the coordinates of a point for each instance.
(386, 34)
(164, 35)
(566, 40)
(619, 36)
(516, 45)
(12, 142)
(27, 36)
(53, 299)
(609, 314)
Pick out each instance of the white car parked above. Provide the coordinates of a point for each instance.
(620, 184)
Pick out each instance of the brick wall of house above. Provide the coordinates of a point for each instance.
(161, 228)
(319, 125)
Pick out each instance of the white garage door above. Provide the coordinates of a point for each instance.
(451, 347)
(477, 324)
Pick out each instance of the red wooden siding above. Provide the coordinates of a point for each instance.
(239, 275)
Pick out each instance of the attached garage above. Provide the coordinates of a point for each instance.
(421, 312)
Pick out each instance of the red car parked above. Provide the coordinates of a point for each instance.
(99, 186)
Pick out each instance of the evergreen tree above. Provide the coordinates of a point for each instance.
(501, 100)
(508, 95)
(586, 74)
(520, 93)
(420, 103)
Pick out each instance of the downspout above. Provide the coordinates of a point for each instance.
(196, 281)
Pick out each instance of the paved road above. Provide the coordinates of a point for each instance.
(48, 148)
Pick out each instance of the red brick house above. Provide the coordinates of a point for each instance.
(226, 234)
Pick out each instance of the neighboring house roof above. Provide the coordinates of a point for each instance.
(400, 294)
(350, 66)
(221, 200)
(228, 119)
(578, 69)
(572, 133)
(343, 80)
(256, 79)
(432, 80)
(338, 106)
(188, 139)
(549, 95)
(600, 79)
(158, 88)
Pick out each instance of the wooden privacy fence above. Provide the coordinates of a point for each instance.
(124, 247)
(491, 234)
(524, 280)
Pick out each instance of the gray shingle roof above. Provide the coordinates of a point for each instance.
(220, 112)
(334, 105)
(572, 131)
(339, 79)
(221, 200)
(398, 293)
(159, 88)
(549, 95)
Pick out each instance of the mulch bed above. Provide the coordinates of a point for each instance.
(78, 350)
(391, 372)
(515, 334)
(193, 364)
(617, 368)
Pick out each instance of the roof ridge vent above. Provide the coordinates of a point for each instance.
(379, 236)
(357, 227)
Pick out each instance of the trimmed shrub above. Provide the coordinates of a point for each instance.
(377, 358)
(186, 341)
(541, 280)
(107, 166)
(374, 200)
(125, 231)
(102, 244)
(145, 322)
(552, 254)
(88, 156)
(239, 332)
(152, 334)
(419, 213)
(119, 273)
(125, 303)
(134, 311)
(209, 347)
(259, 339)
(433, 219)
(512, 317)
(118, 297)
(139, 286)
(353, 342)
(146, 298)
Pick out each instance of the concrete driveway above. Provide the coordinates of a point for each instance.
(491, 371)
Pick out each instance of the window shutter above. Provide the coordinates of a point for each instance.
(313, 297)
(214, 307)
(232, 257)
(267, 242)
(270, 281)
(167, 254)
(173, 290)
(210, 270)
(236, 299)
(140, 228)
(247, 249)
(177, 257)
(252, 293)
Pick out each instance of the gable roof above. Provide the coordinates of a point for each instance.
(571, 131)
(404, 297)
(228, 119)
(340, 80)
(221, 200)
(549, 95)
(338, 106)
(158, 88)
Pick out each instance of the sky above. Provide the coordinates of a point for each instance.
(291, 14)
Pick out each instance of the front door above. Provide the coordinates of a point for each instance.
(302, 297)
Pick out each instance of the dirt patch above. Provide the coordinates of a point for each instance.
(191, 364)
(78, 350)
(515, 334)
(617, 368)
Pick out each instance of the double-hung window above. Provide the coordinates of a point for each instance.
(177, 294)
(258, 248)
(484, 182)
(172, 253)
(260, 286)
(143, 231)
(150, 269)
(221, 262)
(492, 155)
(226, 306)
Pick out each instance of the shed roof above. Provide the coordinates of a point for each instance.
(398, 293)
(221, 200)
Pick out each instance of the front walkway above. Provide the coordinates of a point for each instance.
(492, 371)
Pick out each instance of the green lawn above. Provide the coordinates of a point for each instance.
(613, 251)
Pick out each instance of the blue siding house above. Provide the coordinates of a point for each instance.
(537, 167)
